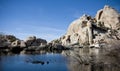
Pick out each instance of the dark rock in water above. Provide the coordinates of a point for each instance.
(16, 50)
(35, 61)
(38, 62)
(47, 62)
(58, 47)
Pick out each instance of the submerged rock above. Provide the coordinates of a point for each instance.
(38, 62)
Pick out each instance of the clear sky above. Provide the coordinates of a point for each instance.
(48, 19)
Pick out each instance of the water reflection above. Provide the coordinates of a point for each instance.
(91, 59)
(79, 59)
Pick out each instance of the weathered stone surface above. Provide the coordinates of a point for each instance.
(33, 41)
(6, 40)
(22, 44)
(58, 47)
(15, 43)
(93, 31)
(109, 17)
(18, 43)
(30, 40)
(79, 31)
(39, 42)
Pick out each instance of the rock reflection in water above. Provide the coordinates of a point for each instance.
(92, 59)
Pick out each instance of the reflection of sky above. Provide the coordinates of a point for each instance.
(46, 19)
(18, 63)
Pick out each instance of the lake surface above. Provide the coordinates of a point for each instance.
(77, 60)
(52, 62)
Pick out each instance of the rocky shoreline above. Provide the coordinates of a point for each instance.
(32, 45)
(101, 31)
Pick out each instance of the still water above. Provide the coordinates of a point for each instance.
(72, 60)
(52, 62)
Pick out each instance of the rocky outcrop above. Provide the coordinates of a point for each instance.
(6, 40)
(18, 43)
(109, 17)
(32, 45)
(79, 31)
(33, 41)
(93, 31)
(10, 44)
(3, 41)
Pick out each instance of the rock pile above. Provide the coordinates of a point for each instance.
(9, 44)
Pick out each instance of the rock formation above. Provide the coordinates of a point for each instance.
(109, 17)
(78, 31)
(18, 43)
(93, 31)
(11, 45)
(6, 40)
(33, 41)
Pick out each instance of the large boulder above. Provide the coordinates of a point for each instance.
(18, 43)
(10, 38)
(22, 44)
(6, 40)
(15, 43)
(33, 41)
(109, 17)
(3, 41)
(58, 47)
(30, 40)
(39, 42)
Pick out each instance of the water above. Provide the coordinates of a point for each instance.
(52, 62)
(83, 59)
(92, 60)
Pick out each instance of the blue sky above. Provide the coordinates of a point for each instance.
(48, 19)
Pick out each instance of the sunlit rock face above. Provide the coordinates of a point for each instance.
(79, 31)
(109, 17)
(93, 31)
